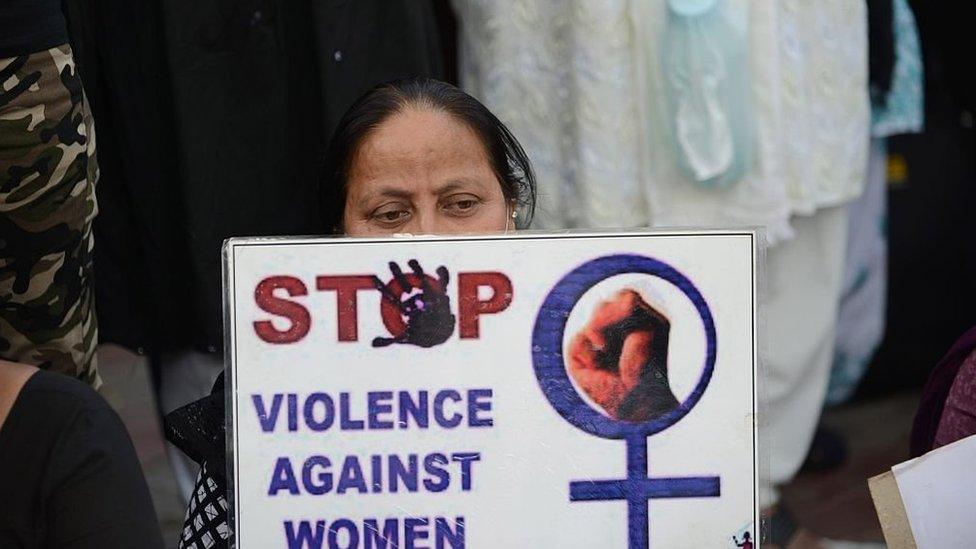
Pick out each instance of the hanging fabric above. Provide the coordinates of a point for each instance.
(902, 110)
(863, 304)
(560, 75)
(677, 112)
(706, 71)
(758, 197)
(807, 77)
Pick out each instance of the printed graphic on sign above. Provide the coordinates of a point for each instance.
(619, 359)
(571, 391)
(427, 313)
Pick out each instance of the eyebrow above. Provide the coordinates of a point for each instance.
(394, 192)
(455, 185)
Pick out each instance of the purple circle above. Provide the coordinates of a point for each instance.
(550, 326)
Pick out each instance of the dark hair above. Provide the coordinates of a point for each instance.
(507, 159)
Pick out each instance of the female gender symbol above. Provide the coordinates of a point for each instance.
(547, 358)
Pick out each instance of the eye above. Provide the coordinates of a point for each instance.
(391, 214)
(461, 205)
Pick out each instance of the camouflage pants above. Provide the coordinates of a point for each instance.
(47, 204)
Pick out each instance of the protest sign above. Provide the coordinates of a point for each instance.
(578, 390)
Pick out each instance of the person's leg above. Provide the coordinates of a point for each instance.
(47, 204)
(184, 377)
(803, 284)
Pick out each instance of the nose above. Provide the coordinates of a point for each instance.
(419, 225)
(425, 222)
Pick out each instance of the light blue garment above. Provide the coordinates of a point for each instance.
(904, 110)
(861, 313)
(707, 88)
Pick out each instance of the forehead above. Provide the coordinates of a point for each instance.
(419, 144)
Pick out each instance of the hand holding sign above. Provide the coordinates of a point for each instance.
(619, 359)
(429, 318)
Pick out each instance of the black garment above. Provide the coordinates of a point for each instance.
(28, 26)
(140, 256)
(945, 29)
(213, 118)
(69, 476)
(881, 49)
(198, 430)
(361, 44)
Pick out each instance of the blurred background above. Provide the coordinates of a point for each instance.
(212, 118)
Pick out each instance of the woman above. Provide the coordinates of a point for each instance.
(69, 475)
(947, 410)
(421, 156)
(414, 156)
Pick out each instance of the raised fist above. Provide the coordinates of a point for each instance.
(429, 318)
(619, 359)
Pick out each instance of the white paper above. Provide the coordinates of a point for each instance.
(939, 492)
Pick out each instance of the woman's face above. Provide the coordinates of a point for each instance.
(423, 172)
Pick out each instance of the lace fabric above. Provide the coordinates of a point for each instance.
(560, 76)
(583, 86)
(824, 91)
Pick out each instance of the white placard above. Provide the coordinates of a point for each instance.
(580, 390)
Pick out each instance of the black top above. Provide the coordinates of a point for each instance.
(213, 118)
(69, 476)
(27, 26)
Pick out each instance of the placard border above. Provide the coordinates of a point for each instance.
(229, 254)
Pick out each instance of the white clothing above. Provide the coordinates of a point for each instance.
(760, 197)
(803, 282)
(582, 85)
(808, 65)
(559, 75)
